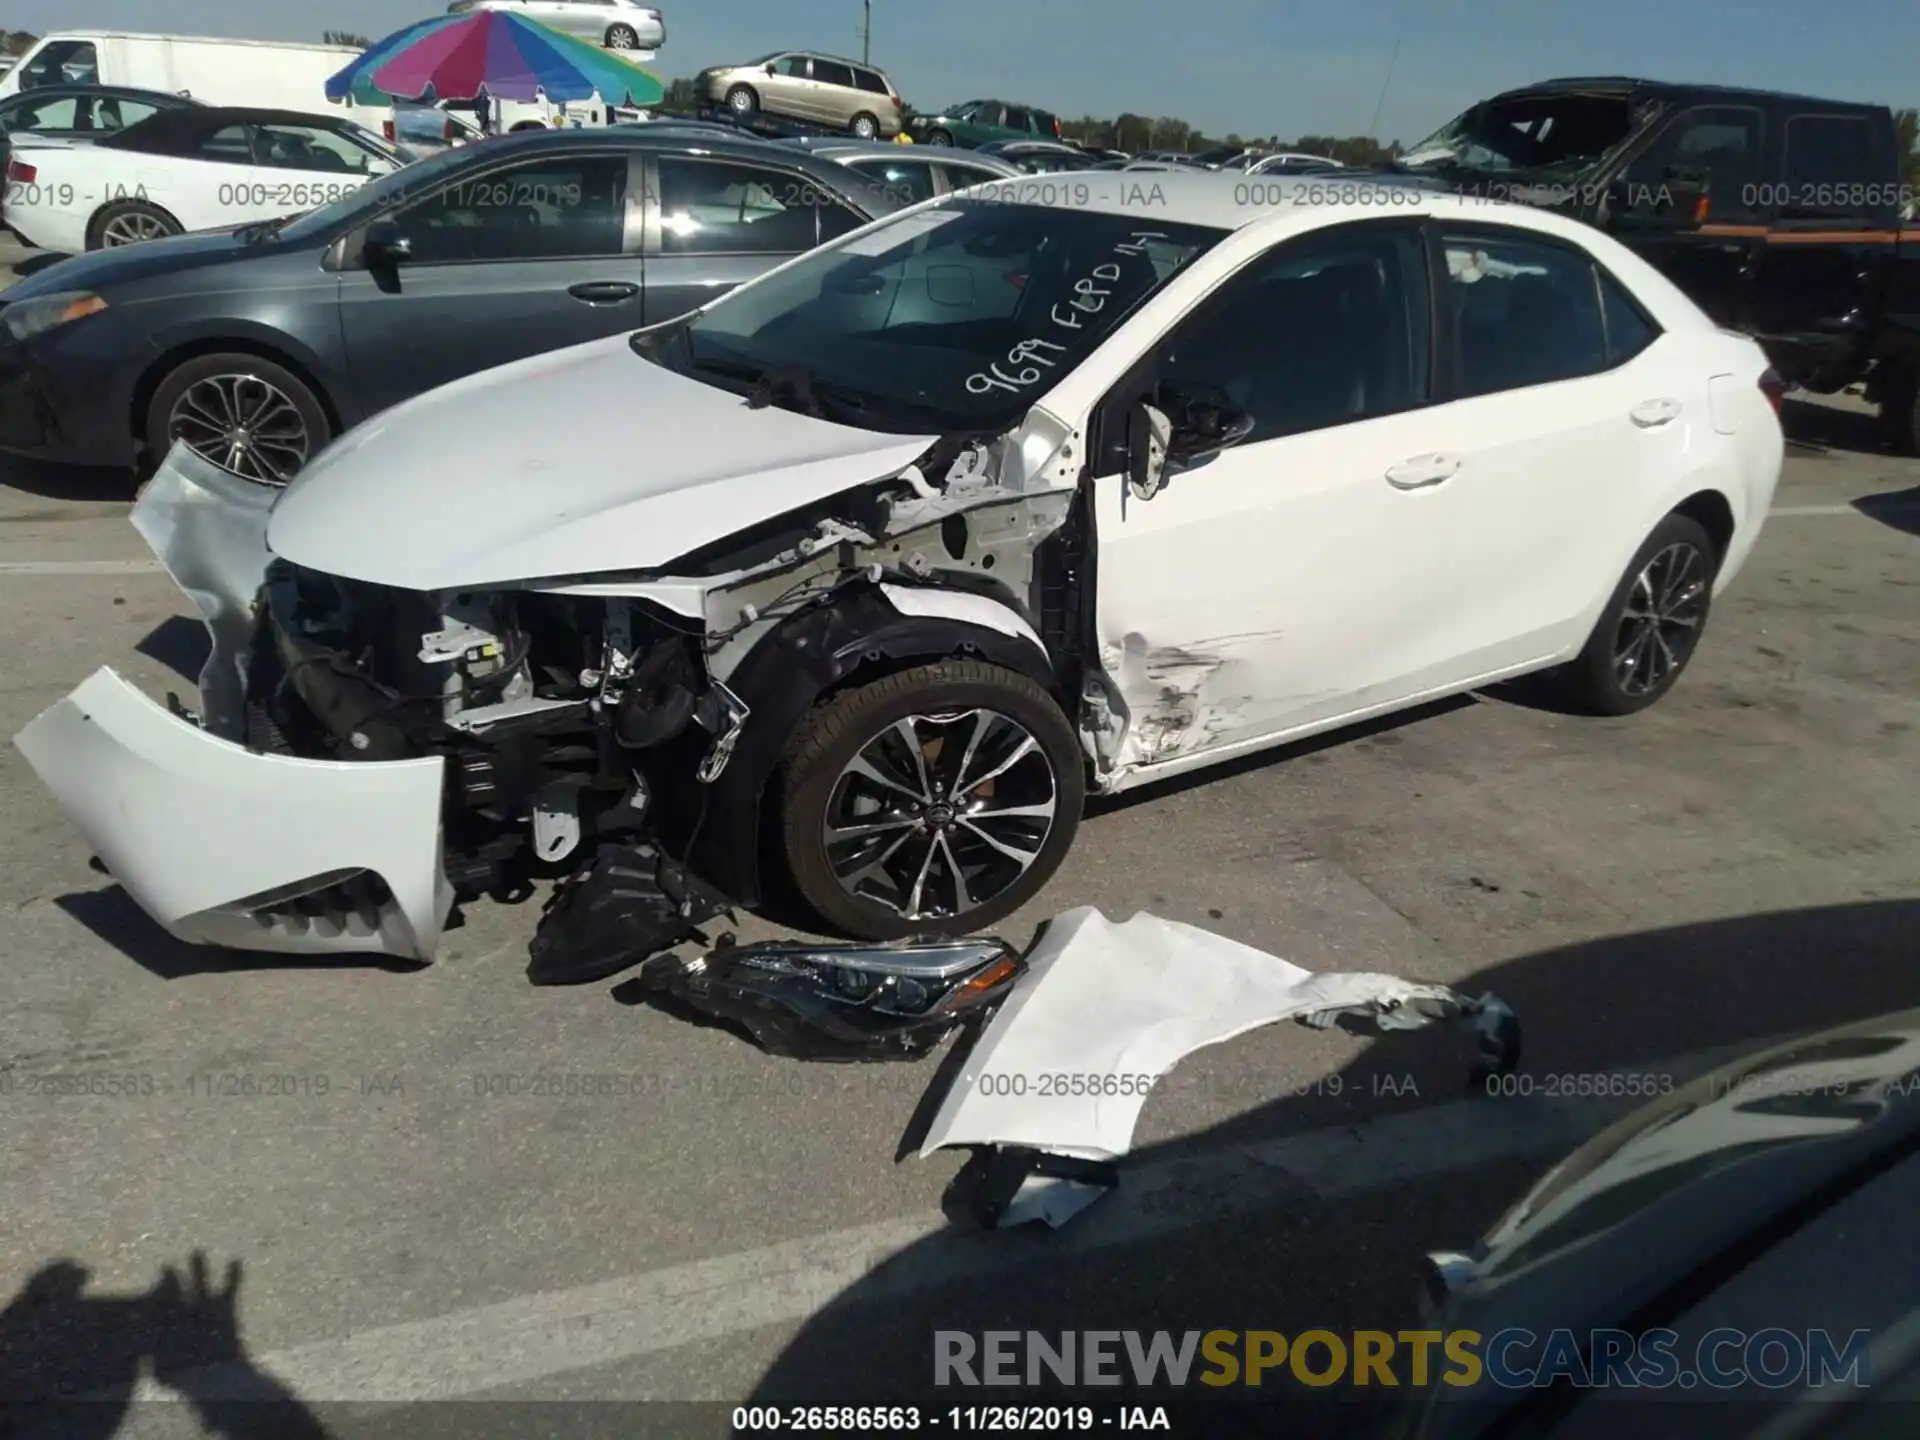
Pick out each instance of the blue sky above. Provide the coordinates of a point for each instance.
(1256, 66)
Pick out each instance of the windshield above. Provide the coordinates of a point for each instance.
(957, 317)
(1549, 131)
(375, 195)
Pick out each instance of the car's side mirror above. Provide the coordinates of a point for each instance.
(1206, 427)
(386, 244)
(1149, 433)
(772, 69)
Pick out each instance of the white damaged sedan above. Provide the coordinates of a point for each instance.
(860, 578)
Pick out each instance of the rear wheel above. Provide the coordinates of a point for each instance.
(938, 800)
(249, 416)
(742, 100)
(940, 137)
(1652, 624)
(128, 222)
(865, 127)
(622, 37)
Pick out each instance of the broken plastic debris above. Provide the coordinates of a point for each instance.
(1160, 991)
(846, 1002)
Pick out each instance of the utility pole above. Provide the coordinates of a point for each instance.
(866, 32)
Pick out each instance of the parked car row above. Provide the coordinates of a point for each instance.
(256, 343)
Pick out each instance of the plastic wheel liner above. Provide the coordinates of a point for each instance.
(221, 844)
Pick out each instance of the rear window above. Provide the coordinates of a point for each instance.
(1540, 131)
(869, 81)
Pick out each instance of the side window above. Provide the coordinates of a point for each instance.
(832, 72)
(959, 177)
(1831, 167)
(113, 113)
(308, 147)
(796, 67)
(991, 112)
(1629, 329)
(905, 183)
(46, 115)
(870, 82)
(710, 207)
(837, 220)
(65, 62)
(1715, 146)
(548, 209)
(1320, 332)
(1523, 314)
(229, 144)
(1018, 119)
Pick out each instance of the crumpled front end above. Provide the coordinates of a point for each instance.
(222, 844)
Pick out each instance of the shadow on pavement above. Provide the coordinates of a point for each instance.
(70, 1362)
(112, 915)
(67, 482)
(180, 644)
(1898, 508)
(1347, 1263)
(1827, 427)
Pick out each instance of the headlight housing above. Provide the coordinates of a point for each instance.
(26, 318)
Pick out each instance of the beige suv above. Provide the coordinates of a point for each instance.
(799, 85)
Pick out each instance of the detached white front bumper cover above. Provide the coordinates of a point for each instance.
(220, 844)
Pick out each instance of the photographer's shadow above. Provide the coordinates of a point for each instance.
(71, 1364)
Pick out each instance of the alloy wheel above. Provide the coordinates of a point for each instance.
(623, 39)
(133, 227)
(938, 815)
(1661, 621)
(243, 424)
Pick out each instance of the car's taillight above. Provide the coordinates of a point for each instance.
(1056, 127)
(1774, 388)
(1015, 278)
(21, 173)
(898, 103)
(386, 129)
(446, 131)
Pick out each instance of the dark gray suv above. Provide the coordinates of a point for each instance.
(259, 343)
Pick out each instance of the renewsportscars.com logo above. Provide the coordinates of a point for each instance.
(1724, 1359)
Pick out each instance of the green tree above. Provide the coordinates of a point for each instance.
(344, 37)
(1906, 124)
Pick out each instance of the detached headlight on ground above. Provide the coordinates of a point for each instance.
(28, 318)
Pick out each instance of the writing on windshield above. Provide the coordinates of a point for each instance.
(1032, 357)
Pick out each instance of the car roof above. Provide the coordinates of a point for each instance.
(1627, 84)
(1220, 200)
(168, 130)
(107, 92)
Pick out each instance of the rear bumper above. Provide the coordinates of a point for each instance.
(221, 844)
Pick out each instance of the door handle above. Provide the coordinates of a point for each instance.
(1423, 470)
(603, 292)
(1649, 413)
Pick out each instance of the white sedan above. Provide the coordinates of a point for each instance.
(197, 168)
(1022, 493)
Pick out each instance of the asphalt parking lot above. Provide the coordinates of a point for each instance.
(417, 1220)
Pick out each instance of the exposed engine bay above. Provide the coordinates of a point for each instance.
(616, 732)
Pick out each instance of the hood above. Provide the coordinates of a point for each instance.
(101, 270)
(585, 461)
(1682, 1179)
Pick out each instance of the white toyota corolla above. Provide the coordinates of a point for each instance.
(871, 570)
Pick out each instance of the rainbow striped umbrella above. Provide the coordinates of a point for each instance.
(492, 53)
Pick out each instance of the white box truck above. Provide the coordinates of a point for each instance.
(272, 74)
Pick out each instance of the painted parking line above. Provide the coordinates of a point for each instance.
(80, 567)
(520, 1341)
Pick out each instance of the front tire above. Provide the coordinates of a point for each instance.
(1652, 624)
(864, 127)
(940, 137)
(128, 222)
(251, 417)
(935, 801)
(742, 100)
